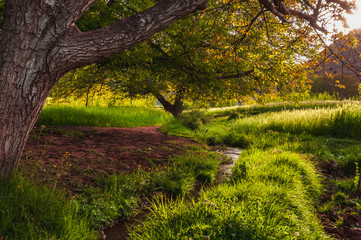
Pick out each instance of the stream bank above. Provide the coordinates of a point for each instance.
(120, 230)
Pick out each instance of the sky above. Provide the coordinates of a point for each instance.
(355, 20)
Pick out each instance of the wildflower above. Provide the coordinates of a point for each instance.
(297, 234)
(233, 235)
(54, 165)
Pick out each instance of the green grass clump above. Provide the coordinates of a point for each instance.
(28, 211)
(112, 201)
(253, 206)
(177, 177)
(330, 135)
(281, 168)
(127, 116)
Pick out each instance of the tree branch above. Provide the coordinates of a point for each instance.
(77, 49)
(344, 4)
(278, 8)
(78, 7)
(238, 75)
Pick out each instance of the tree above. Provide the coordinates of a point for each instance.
(345, 86)
(338, 69)
(40, 42)
(230, 58)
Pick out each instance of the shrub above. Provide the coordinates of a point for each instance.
(236, 139)
(193, 119)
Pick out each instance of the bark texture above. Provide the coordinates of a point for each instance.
(40, 43)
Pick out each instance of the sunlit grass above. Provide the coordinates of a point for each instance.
(127, 116)
(247, 110)
(262, 203)
(343, 122)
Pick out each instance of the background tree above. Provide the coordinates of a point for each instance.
(338, 68)
(230, 58)
(344, 86)
(83, 84)
(40, 42)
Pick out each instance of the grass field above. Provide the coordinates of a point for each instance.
(126, 116)
(275, 190)
(280, 144)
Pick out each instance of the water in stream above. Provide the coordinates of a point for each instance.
(120, 230)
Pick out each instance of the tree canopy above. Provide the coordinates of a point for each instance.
(210, 55)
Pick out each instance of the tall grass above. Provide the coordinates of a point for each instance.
(342, 122)
(28, 211)
(126, 116)
(278, 107)
(255, 205)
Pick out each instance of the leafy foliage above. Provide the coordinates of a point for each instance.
(203, 57)
(208, 57)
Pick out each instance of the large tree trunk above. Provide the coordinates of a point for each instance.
(24, 76)
(40, 42)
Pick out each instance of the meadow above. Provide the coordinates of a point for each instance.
(122, 116)
(299, 162)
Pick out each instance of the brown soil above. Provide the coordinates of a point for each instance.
(76, 156)
(343, 220)
(348, 228)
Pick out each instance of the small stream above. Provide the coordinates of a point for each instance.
(120, 230)
(225, 170)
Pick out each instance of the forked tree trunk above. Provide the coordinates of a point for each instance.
(175, 109)
(40, 43)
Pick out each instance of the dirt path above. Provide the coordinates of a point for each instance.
(76, 156)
